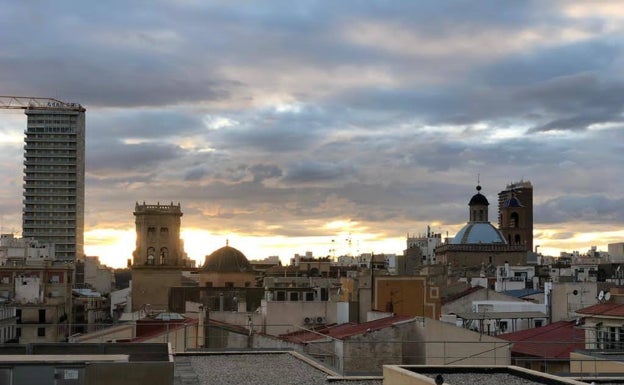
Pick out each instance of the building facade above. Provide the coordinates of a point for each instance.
(515, 214)
(427, 244)
(479, 247)
(54, 173)
(158, 239)
(17, 250)
(159, 256)
(42, 298)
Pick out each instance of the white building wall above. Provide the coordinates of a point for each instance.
(28, 290)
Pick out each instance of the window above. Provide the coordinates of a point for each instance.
(40, 332)
(294, 296)
(229, 284)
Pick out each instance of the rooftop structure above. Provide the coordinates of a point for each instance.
(470, 375)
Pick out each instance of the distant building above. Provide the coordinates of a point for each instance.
(363, 349)
(54, 178)
(8, 323)
(42, 297)
(90, 310)
(515, 214)
(479, 245)
(93, 274)
(20, 250)
(406, 296)
(546, 349)
(158, 241)
(227, 267)
(159, 256)
(616, 251)
(427, 244)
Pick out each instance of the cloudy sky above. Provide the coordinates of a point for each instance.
(288, 126)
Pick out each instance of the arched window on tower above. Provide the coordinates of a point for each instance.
(151, 256)
(514, 219)
(164, 253)
(151, 234)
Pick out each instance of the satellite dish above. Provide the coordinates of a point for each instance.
(607, 296)
(601, 295)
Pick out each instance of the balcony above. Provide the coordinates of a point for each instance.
(35, 176)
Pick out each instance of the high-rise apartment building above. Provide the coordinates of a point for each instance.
(54, 177)
(515, 213)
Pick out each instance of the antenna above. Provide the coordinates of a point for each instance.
(607, 296)
(601, 295)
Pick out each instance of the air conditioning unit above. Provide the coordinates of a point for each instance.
(309, 320)
(320, 320)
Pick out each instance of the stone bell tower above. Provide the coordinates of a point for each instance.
(159, 257)
(158, 240)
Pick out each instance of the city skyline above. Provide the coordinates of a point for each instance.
(292, 127)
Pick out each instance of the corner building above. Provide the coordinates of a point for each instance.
(54, 178)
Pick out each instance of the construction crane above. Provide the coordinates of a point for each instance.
(25, 103)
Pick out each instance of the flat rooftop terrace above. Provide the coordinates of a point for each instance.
(471, 375)
(271, 368)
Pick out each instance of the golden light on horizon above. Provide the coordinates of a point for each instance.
(115, 246)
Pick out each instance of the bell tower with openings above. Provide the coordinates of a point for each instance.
(158, 240)
(515, 214)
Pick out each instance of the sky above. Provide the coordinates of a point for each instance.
(336, 127)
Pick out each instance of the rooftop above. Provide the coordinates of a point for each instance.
(471, 374)
(343, 331)
(607, 309)
(275, 368)
(556, 340)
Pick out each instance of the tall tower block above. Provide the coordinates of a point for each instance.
(515, 213)
(158, 240)
(54, 177)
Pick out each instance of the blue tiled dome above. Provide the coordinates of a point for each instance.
(478, 233)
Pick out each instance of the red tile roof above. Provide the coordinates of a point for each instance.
(556, 340)
(343, 331)
(609, 309)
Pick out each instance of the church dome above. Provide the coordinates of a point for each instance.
(478, 233)
(478, 199)
(227, 260)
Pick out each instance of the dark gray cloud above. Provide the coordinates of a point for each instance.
(311, 171)
(262, 172)
(121, 157)
(596, 208)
